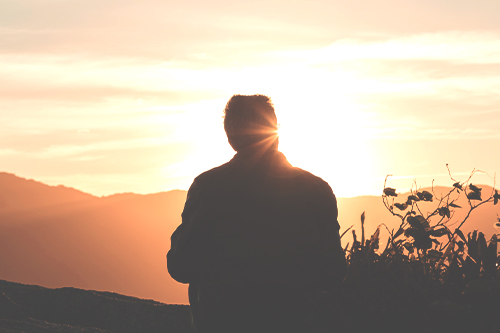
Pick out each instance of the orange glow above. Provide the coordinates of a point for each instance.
(128, 96)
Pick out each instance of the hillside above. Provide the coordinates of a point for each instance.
(116, 243)
(60, 237)
(29, 308)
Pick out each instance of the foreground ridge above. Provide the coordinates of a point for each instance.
(30, 308)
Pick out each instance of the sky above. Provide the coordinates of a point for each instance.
(116, 96)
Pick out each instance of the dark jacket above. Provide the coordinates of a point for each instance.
(258, 236)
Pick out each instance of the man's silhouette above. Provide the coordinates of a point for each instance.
(259, 239)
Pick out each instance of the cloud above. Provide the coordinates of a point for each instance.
(114, 94)
(225, 31)
(457, 46)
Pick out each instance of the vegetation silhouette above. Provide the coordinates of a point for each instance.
(429, 277)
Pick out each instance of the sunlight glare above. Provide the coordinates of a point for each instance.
(324, 132)
(322, 128)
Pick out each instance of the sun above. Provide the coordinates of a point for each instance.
(327, 138)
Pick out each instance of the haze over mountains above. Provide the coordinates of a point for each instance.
(56, 236)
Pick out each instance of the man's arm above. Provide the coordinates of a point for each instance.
(332, 248)
(188, 242)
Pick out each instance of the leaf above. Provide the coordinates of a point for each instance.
(496, 197)
(390, 192)
(398, 233)
(346, 231)
(474, 188)
(471, 237)
(374, 239)
(461, 235)
(425, 196)
(474, 196)
(408, 246)
(398, 242)
(418, 222)
(457, 185)
(497, 225)
(455, 206)
(482, 246)
(422, 242)
(363, 228)
(448, 252)
(434, 254)
(418, 231)
(492, 246)
(439, 232)
(412, 198)
(460, 259)
(410, 232)
(401, 206)
(444, 211)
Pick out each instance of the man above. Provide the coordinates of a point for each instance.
(259, 239)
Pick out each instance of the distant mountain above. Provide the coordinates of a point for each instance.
(17, 194)
(56, 236)
(61, 237)
(29, 308)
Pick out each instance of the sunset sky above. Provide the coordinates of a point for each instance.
(116, 96)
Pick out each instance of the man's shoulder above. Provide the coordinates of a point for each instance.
(211, 174)
(311, 178)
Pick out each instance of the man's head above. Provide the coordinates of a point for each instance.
(250, 121)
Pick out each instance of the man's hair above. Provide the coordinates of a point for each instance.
(250, 121)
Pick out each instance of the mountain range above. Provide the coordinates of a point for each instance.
(55, 236)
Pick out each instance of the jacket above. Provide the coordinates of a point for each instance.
(257, 230)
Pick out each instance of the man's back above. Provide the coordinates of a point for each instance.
(259, 239)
